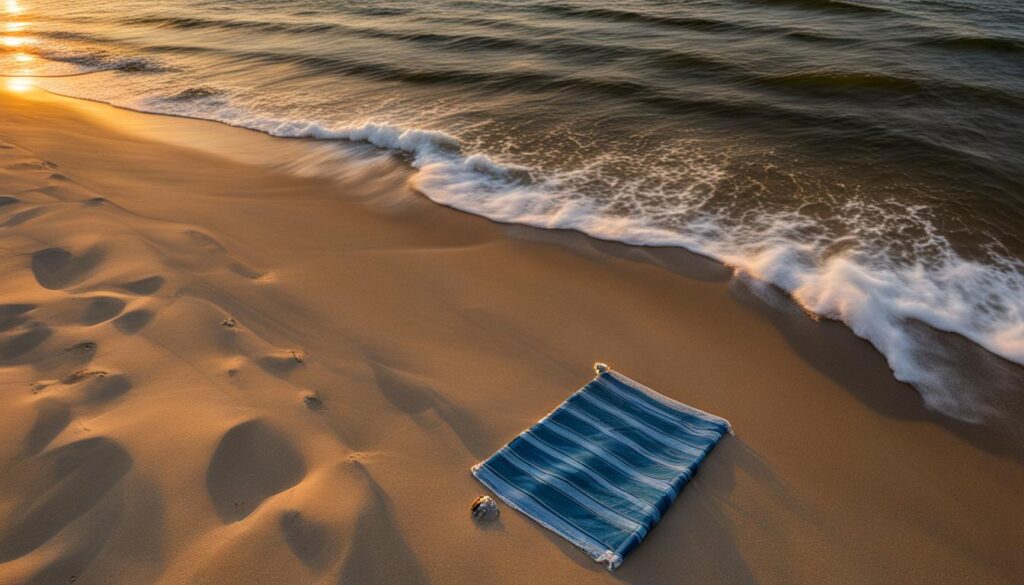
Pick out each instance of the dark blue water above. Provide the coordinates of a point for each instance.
(866, 156)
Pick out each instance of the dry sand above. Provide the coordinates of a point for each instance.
(214, 371)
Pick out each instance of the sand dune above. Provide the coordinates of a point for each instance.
(212, 371)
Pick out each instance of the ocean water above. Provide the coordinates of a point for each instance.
(864, 156)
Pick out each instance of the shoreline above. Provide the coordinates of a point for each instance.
(923, 349)
(426, 338)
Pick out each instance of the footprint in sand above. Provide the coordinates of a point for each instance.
(133, 321)
(97, 386)
(58, 488)
(52, 416)
(13, 315)
(83, 348)
(379, 552)
(282, 364)
(308, 540)
(56, 268)
(69, 359)
(18, 345)
(313, 402)
(206, 242)
(106, 389)
(252, 462)
(83, 310)
(415, 397)
(248, 272)
(20, 218)
(82, 388)
(144, 286)
(100, 309)
(211, 246)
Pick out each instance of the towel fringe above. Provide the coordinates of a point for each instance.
(613, 560)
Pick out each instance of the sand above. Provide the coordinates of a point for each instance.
(217, 370)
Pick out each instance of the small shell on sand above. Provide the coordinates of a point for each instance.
(484, 508)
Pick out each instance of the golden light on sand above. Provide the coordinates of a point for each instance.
(18, 84)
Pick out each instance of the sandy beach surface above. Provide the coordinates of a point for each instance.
(214, 369)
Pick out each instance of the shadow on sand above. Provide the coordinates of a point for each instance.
(991, 383)
(855, 365)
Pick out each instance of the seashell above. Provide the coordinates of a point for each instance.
(484, 508)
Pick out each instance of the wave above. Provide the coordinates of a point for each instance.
(827, 6)
(856, 273)
(651, 95)
(436, 38)
(667, 98)
(656, 59)
(851, 80)
(881, 299)
(841, 81)
(695, 23)
(978, 43)
(877, 298)
(186, 23)
(620, 15)
(93, 60)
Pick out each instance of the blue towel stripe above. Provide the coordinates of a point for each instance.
(611, 433)
(605, 463)
(685, 412)
(602, 468)
(627, 505)
(652, 432)
(584, 500)
(584, 473)
(557, 504)
(613, 395)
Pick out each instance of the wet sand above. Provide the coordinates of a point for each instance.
(213, 370)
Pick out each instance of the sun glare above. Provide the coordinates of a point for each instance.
(15, 38)
(18, 84)
(15, 41)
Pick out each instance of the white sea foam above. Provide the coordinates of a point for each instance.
(877, 297)
(983, 302)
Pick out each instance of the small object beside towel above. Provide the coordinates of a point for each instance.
(602, 468)
(484, 508)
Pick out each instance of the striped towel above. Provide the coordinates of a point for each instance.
(603, 467)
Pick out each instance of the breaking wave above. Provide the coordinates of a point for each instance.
(878, 298)
(778, 137)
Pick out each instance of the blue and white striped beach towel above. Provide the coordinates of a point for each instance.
(602, 468)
